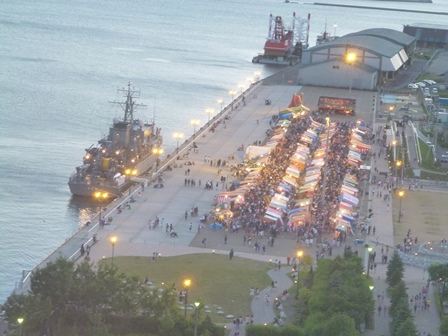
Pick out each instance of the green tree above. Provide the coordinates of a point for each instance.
(395, 270)
(340, 325)
(402, 314)
(407, 328)
(54, 282)
(443, 329)
(398, 298)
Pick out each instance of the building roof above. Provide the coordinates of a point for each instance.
(391, 35)
(360, 66)
(376, 45)
(428, 26)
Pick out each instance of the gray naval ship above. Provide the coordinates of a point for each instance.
(127, 151)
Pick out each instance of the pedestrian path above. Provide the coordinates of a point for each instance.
(262, 305)
(382, 243)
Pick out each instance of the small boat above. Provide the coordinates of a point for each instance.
(326, 36)
(125, 152)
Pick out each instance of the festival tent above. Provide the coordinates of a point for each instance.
(362, 125)
(298, 218)
(349, 199)
(274, 212)
(290, 181)
(293, 171)
(281, 197)
(346, 206)
(254, 151)
(302, 202)
(311, 178)
(283, 123)
(318, 162)
(349, 190)
(285, 186)
(277, 202)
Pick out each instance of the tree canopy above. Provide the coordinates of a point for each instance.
(78, 300)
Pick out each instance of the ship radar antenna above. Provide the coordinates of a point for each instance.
(129, 106)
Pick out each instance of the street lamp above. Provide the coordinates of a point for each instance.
(194, 123)
(335, 26)
(177, 136)
(157, 151)
(350, 58)
(209, 112)
(187, 284)
(400, 195)
(368, 250)
(113, 241)
(196, 319)
(299, 256)
(20, 321)
(221, 102)
(398, 164)
(232, 94)
(100, 196)
(324, 183)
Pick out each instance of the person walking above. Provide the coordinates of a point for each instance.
(231, 254)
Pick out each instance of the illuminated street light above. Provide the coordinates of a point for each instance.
(177, 136)
(368, 250)
(113, 241)
(196, 318)
(157, 151)
(194, 123)
(299, 258)
(400, 195)
(232, 94)
(187, 284)
(350, 58)
(209, 112)
(100, 196)
(221, 102)
(20, 321)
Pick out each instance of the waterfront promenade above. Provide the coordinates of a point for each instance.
(245, 125)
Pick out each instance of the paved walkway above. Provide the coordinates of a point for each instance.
(426, 321)
(246, 125)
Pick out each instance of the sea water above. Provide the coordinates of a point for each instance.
(61, 62)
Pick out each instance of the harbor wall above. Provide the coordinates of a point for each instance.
(71, 247)
(381, 8)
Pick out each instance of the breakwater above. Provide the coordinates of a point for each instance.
(381, 8)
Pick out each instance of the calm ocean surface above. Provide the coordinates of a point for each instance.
(62, 61)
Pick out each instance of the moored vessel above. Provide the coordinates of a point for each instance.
(125, 152)
(284, 45)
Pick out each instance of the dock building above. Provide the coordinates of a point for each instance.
(428, 35)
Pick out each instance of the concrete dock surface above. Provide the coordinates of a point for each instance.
(246, 124)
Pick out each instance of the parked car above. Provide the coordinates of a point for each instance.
(435, 91)
(444, 158)
(412, 86)
(429, 81)
(420, 84)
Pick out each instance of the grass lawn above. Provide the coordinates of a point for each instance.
(425, 214)
(214, 278)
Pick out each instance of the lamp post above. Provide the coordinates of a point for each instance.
(400, 195)
(209, 112)
(232, 94)
(397, 167)
(350, 58)
(113, 241)
(299, 257)
(368, 250)
(20, 321)
(194, 123)
(335, 26)
(324, 182)
(100, 196)
(196, 319)
(157, 151)
(221, 102)
(177, 136)
(187, 284)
